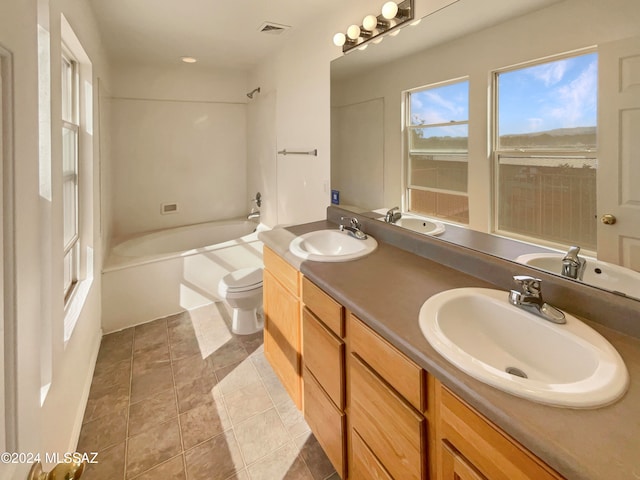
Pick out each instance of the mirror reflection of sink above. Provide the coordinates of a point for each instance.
(331, 246)
(597, 273)
(416, 223)
(480, 332)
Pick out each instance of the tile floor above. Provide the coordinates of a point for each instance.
(183, 398)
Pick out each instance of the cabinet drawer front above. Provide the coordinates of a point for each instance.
(456, 467)
(394, 432)
(490, 450)
(397, 370)
(279, 268)
(326, 422)
(323, 306)
(323, 355)
(365, 464)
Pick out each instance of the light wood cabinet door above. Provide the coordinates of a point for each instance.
(393, 430)
(365, 465)
(491, 451)
(456, 467)
(330, 312)
(388, 362)
(323, 354)
(282, 335)
(327, 423)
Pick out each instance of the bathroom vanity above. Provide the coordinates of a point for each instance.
(344, 339)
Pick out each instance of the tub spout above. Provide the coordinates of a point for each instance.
(253, 216)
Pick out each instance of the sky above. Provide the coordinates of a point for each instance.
(559, 94)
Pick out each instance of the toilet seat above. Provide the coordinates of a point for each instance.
(243, 280)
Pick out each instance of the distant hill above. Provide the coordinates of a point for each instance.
(558, 137)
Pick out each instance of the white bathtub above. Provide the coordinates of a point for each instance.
(165, 272)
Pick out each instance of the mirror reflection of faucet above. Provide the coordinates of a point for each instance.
(572, 265)
(393, 215)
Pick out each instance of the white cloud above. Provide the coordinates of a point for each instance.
(578, 99)
(550, 73)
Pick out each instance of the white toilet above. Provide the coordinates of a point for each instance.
(242, 290)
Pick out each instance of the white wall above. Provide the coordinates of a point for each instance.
(300, 75)
(178, 136)
(44, 356)
(563, 27)
(73, 361)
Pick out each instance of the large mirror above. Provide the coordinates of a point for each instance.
(472, 42)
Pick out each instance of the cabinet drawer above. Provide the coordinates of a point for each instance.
(397, 370)
(279, 268)
(326, 422)
(489, 449)
(365, 465)
(323, 306)
(323, 355)
(394, 431)
(456, 467)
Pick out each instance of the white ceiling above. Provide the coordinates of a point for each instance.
(220, 33)
(225, 33)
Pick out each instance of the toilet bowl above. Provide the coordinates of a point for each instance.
(242, 290)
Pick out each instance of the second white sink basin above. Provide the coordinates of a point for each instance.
(481, 333)
(331, 246)
(597, 273)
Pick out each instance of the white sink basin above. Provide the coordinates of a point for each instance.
(416, 223)
(331, 246)
(481, 333)
(597, 273)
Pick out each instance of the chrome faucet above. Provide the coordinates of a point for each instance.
(255, 211)
(572, 265)
(393, 215)
(353, 229)
(530, 298)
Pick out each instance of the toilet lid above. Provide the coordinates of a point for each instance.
(243, 279)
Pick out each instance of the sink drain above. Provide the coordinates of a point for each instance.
(516, 372)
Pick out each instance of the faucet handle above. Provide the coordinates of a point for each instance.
(529, 285)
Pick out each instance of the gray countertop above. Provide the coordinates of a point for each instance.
(386, 290)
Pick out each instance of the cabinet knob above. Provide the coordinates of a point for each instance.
(608, 219)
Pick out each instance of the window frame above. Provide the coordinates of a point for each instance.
(497, 152)
(409, 128)
(70, 118)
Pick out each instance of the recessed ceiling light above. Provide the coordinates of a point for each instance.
(189, 59)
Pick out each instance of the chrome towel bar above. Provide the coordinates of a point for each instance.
(313, 152)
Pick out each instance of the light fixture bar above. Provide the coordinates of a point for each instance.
(376, 26)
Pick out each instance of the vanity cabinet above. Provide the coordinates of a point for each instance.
(282, 325)
(388, 402)
(323, 348)
(472, 448)
(376, 413)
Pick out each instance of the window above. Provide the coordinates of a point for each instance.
(438, 130)
(70, 130)
(545, 150)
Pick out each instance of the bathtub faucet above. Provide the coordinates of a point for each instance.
(253, 216)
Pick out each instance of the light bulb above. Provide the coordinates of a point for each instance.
(390, 10)
(339, 39)
(353, 32)
(370, 22)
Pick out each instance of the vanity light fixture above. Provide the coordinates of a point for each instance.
(393, 15)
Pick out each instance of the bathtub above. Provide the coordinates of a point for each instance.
(165, 272)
